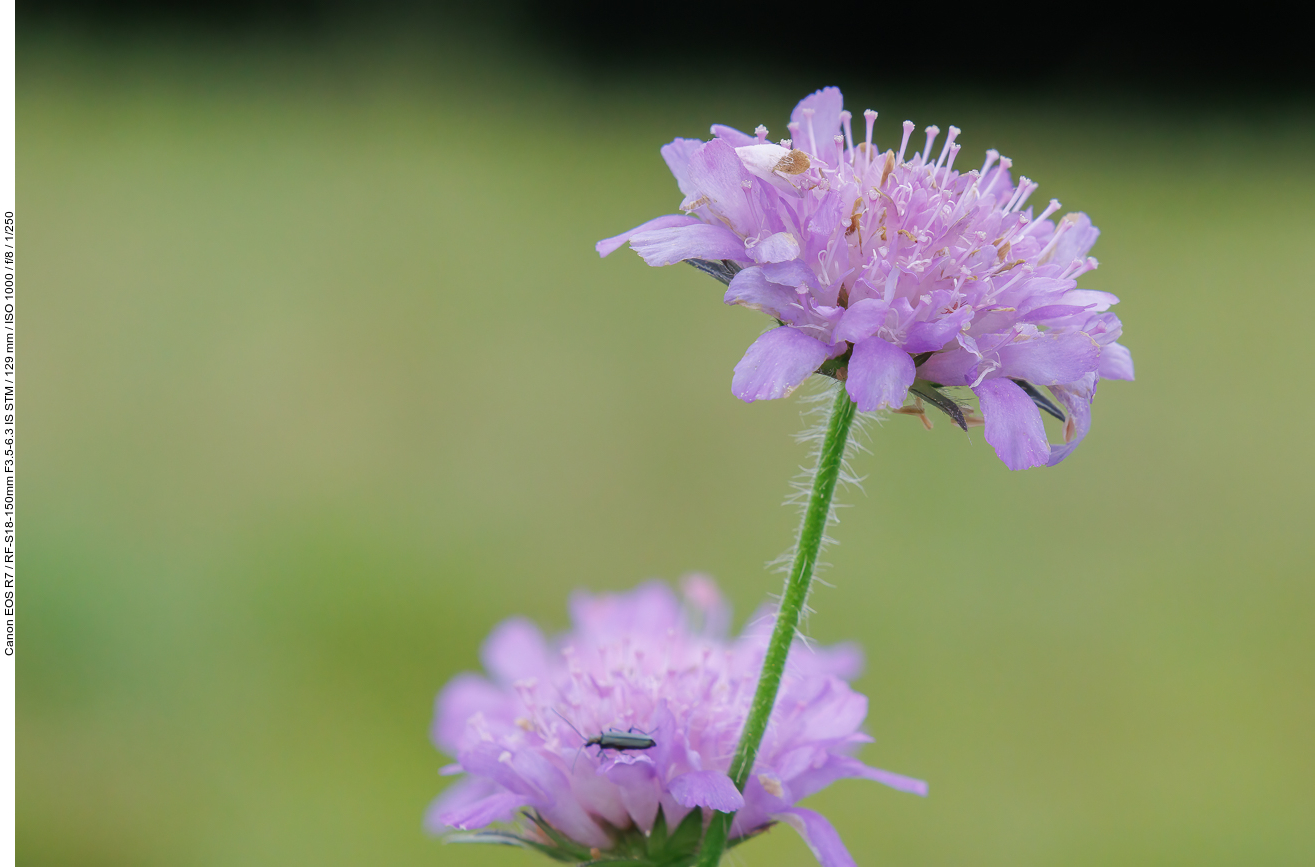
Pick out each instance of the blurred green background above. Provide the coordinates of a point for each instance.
(321, 379)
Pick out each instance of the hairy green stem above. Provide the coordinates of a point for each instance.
(829, 460)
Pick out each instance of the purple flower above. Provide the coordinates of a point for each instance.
(665, 676)
(894, 272)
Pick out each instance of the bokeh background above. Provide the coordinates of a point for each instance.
(321, 379)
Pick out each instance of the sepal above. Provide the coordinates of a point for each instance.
(937, 398)
(722, 269)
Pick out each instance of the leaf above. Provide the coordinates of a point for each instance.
(577, 852)
(685, 840)
(657, 839)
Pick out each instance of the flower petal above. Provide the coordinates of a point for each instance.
(649, 608)
(697, 241)
(861, 320)
(607, 246)
(702, 595)
(722, 180)
(931, 335)
(836, 767)
(1049, 359)
(515, 650)
(826, 104)
(706, 789)
(1115, 362)
(677, 155)
(879, 375)
(1076, 241)
(779, 247)
(1013, 424)
(795, 274)
(733, 135)
(464, 696)
(776, 364)
(898, 782)
(950, 367)
(639, 792)
(1076, 398)
(819, 834)
(465, 816)
(844, 660)
(1102, 301)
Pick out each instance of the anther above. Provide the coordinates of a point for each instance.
(761, 132)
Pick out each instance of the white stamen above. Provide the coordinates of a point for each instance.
(908, 131)
(1050, 209)
(991, 156)
(1005, 163)
(1049, 248)
(845, 117)
(1079, 267)
(1009, 205)
(1031, 187)
(761, 132)
(949, 142)
(932, 132)
(949, 164)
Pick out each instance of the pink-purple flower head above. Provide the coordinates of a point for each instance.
(894, 272)
(641, 663)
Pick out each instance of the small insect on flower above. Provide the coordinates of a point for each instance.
(895, 274)
(612, 739)
(666, 669)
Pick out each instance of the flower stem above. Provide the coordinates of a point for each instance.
(829, 460)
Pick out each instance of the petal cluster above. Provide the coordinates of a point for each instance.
(663, 673)
(890, 268)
